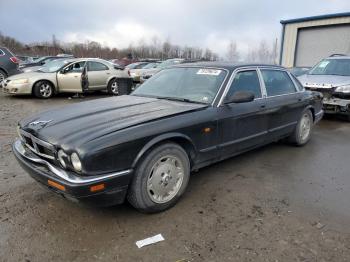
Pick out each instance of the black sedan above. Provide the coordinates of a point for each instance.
(143, 146)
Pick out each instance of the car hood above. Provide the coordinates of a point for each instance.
(326, 81)
(25, 75)
(82, 122)
(31, 69)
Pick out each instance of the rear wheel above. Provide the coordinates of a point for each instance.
(302, 132)
(3, 75)
(43, 89)
(160, 179)
(113, 87)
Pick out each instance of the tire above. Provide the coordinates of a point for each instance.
(3, 75)
(155, 174)
(113, 87)
(348, 118)
(43, 89)
(303, 130)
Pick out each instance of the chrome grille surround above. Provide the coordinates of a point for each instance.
(38, 146)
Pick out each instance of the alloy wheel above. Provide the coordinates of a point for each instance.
(165, 179)
(2, 77)
(45, 90)
(115, 88)
(305, 127)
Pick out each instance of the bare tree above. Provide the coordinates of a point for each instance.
(232, 52)
(155, 49)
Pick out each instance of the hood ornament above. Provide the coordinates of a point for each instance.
(41, 124)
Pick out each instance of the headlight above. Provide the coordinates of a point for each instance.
(61, 155)
(343, 89)
(20, 81)
(74, 158)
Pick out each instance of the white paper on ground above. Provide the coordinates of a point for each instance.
(149, 241)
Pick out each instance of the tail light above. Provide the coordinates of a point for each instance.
(14, 59)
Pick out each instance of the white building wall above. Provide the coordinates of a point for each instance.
(291, 33)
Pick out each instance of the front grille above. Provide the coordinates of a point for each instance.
(38, 146)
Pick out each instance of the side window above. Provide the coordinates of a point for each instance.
(96, 66)
(75, 68)
(245, 81)
(277, 82)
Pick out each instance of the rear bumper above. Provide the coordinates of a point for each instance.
(70, 185)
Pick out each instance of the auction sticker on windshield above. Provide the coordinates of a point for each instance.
(207, 71)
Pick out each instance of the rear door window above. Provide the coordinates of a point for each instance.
(277, 82)
(96, 66)
(245, 81)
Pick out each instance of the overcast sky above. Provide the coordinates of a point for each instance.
(118, 23)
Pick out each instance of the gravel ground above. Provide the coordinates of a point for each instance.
(277, 203)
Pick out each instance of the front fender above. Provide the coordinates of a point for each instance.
(159, 139)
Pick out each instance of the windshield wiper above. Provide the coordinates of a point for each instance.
(181, 99)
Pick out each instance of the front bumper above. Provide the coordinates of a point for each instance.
(16, 89)
(336, 106)
(69, 184)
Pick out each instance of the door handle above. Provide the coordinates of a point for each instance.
(263, 106)
(108, 73)
(75, 76)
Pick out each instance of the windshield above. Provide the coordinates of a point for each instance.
(136, 65)
(150, 65)
(53, 65)
(191, 84)
(41, 59)
(339, 67)
(169, 63)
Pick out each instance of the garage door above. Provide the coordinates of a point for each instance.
(316, 43)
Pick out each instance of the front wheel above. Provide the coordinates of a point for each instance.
(160, 179)
(113, 87)
(43, 89)
(2, 75)
(302, 132)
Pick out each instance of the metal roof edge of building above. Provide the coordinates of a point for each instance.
(311, 18)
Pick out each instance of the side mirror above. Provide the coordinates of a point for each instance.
(42, 63)
(240, 97)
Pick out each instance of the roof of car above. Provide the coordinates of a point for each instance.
(227, 65)
(339, 57)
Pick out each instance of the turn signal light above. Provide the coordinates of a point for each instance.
(56, 185)
(207, 130)
(98, 187)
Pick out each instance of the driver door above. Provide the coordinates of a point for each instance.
(69, 79)
(243, 125)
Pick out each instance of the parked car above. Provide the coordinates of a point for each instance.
(143, 146)
(41, 61)
(298, 71)
(66, 75)
(331, 77)
(8, 64)
(26, 59)
(137, 72)
(136, 65)
(150, 72)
